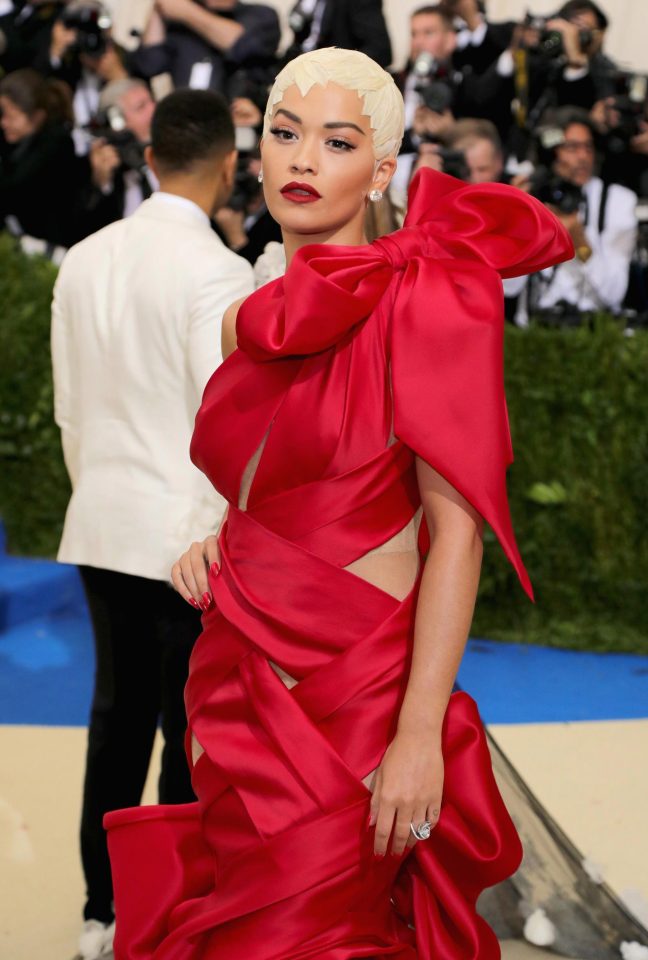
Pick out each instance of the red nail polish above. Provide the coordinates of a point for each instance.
(206, 601)
(214, 569)
(194, 603)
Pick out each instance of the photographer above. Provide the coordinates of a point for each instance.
(435, 93)
(478, 143)
(83, 55)
(622, 123)
(120, 178)
(26, 31)
(552, 62)
(600, 217)
(207, 45)
(38, 168)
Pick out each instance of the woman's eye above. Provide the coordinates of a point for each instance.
(340, 144)
(281, 133)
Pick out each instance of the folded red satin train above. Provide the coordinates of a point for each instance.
(274, 861)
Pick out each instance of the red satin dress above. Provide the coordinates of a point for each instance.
(400, 338)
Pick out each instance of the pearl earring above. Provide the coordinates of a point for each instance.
(260, 176)
(375, 196)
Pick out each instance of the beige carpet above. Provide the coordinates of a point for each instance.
(588, 775)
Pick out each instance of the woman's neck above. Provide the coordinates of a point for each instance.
(350, 235)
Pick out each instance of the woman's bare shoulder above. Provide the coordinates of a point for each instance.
(228, 337)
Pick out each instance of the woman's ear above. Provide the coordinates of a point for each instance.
(385, 170)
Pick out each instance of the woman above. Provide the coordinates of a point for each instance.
(346, 806)
(38, 167)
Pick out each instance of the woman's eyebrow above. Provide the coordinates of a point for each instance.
(287, 113)
(337, 124)
(334, 125)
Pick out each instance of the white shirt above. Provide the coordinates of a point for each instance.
(136, 325)
(601, 282)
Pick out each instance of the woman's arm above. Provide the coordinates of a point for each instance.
(446, 600)
(409, 780)
(228, 332)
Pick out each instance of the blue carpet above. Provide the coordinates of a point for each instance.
(514, 683)
(46, 670)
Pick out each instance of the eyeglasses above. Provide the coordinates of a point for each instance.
(572, 146)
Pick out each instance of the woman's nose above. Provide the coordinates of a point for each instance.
(303, 160)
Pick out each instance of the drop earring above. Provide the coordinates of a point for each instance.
(260, 176)
(375, 196)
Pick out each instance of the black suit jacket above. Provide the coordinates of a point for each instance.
(478, 59)
(353, 25)
(39, 185)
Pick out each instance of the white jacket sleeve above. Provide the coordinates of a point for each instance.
(210, 302)
(64, 369)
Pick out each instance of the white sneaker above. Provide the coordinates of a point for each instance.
(96, 939)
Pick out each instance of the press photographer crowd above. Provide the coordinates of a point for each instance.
(538, 104)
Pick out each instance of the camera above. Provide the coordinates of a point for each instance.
(92, 23)
(110, 126)
(552, 189)
(434, 83)
(550, 44)
(631, 103)
(455, 163)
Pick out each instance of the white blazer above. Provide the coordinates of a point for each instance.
(136, 327)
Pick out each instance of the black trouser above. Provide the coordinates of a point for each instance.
(144, 633)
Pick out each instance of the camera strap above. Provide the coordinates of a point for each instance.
(602, 208)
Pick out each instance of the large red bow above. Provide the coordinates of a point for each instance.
(329, 288)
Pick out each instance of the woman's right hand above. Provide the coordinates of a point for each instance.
(189, 573)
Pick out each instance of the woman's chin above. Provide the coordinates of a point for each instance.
(309, 226)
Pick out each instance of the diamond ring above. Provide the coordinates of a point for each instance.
(423, 830)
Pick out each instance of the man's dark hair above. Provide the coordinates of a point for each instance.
(573, 7)
(564, 117)
(30, 92)
(190, 126)
(436, 9)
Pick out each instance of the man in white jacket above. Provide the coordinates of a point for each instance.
(136, 325)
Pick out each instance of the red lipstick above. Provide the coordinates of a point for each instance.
(300, 192)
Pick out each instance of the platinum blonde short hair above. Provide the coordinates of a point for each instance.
(382, 101)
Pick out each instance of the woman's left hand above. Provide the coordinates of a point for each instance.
(407, 788)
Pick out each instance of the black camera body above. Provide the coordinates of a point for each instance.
(550, 45)
(455, 163)
(435, 84)
(92, 24)
(631, 103)
(109, 125)
(548, 187)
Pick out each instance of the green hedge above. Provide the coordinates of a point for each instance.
(34, 487)
(578, 402)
